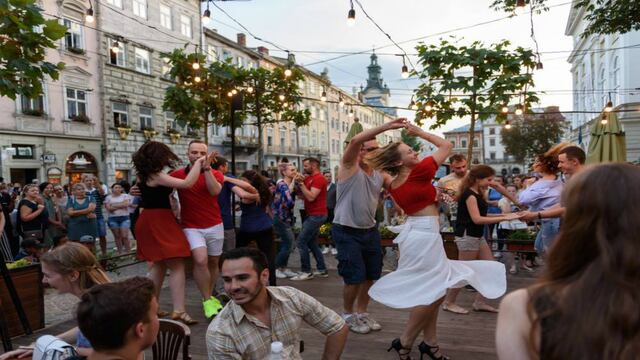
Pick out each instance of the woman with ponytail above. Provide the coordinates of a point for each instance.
(469, 230)
(71, 269)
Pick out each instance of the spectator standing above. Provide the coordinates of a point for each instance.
(55, 226)
(61, 199)
(283, 219)
(7, 203)
(97, 192)
(32, 219)
(82, 217)
(331, 205)
(255, 223)
(117, 205)
(313, 190)
(260, 314)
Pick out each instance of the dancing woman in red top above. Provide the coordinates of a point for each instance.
(424, 273)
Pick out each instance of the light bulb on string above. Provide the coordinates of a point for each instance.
(351, 16)
(197, 79)
(285, 105)
(230, 94)
(250, 89)
(281, 97)
(234, 91)
(323, 97)
(604, 120)
(115, 47)
(428, 107)
(340, 101)
(507, 125)
(405, 69)
(520, 7)
(519, 110)
(351, 113)
(413, 105)
(196, 65)
(287, 72)
(505, 109)
(609, 106)
(89, 15)
(206, 16)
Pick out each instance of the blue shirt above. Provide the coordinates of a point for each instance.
(541, 195)
(224, 201)
(254, 218)
(494, 195)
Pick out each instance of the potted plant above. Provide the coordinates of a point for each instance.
(124, 131)
(324, 235)
(33, 112)
(149, 132)
(174, 135)
(76, 50)
(83, 118)
(521, 240)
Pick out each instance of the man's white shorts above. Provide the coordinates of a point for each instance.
(212, 238)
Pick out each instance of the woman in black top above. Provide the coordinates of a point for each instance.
(32, 214)
(159, 237)
(469, 231)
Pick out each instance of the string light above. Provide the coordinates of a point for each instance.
(413, 105)
(197, 79)
(323, 97)
(234, 91)
(539, 65)
(115, 47)
(351, 113)
(250, 89)
(340, 101)
(89, 16)
(351, 16)
(285, 105)
(196, 65)
(428, 107)
(505, 109)
(281, 97)
(609, 106)
(604, 120)
(287, 72)
(507, 125)
(520, 7)
(519, 110)
(206, 16)
(230, 94)
(405, 69)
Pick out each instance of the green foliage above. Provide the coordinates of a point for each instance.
(25, 36)
(522, 235)
(412, 141)
(385, 233)
(198, 104)
(602, 16)
(533, 135)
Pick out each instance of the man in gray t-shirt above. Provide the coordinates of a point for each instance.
(354, 227)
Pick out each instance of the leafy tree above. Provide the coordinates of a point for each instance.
(412, 141)
(474, 81)
(25, 36)
(202, 96)
(602, 16)
(533, 134)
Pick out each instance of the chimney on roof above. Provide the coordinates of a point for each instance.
(263, 50)
(242, 39)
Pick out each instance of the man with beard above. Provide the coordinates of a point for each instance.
(259, 314)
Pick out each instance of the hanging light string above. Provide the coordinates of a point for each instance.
(89, 15)
(533, 37)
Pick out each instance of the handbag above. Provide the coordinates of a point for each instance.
(49, 347)
(37, 234)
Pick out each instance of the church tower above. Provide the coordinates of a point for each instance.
(376, 92)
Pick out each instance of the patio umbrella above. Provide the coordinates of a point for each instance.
(607, 142)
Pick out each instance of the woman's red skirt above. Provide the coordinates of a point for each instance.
(159, 236)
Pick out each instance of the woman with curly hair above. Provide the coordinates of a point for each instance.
(160, 239)
(543, 194)
(585, 305)
(256, 223)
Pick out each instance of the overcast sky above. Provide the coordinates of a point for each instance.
(320, 25)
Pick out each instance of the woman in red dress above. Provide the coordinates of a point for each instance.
(160, 239)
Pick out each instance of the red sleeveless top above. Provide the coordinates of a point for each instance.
(417, 192)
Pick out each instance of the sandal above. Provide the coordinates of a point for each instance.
(403, 352)
(453, 308)
(183, 317)
(162, 313)
(431, 351)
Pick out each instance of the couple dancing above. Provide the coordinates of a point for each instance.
(424, 273)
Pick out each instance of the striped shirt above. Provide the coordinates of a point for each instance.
(99, 199)
(234, 334)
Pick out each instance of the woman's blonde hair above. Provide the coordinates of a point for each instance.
(386, 158)
(71, 257)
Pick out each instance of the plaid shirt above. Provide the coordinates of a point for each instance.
(234, 334)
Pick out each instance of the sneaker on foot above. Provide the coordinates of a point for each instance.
(325, 250)
(302, 276)
(334, 251)
(289, 273)
(323, 273)
(280, 274)
(366, 319)
(355, 324)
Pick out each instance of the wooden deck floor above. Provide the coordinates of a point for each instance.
(461, 336)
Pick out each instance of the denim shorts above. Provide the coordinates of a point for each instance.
(102, 226)
(359, 253)
(119, 222)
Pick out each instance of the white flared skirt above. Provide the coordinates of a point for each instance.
(424, 273)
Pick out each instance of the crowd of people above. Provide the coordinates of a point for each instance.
(585, 241)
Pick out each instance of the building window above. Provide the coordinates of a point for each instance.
(303, 137)
(323, 141)
(475, 142)
(166, 68)
(23, 151)
(140, 8)
(73, 37)
(240, 61)
(492, 142)
(292, 137)
(314, 138)
(616, 78)
(463, 143)
(170, 120)
(492, 131)
(76, 104)
(32, 106)
(117, 3)
(120, 115)
(119, 57)
(165, 17)
(269, 137)
(283, 135)
(146, 118)
(453, 142)
(185, 25)
(492, 155)
(212, 54)
(142, 61)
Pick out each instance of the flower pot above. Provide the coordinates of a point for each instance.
(124, 132)
(149, 134)
(174, 137)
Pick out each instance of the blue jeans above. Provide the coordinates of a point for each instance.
(286, 240)
(307, 240)
(548, 231)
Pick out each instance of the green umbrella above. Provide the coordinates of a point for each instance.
(607, 143)
(356, 129)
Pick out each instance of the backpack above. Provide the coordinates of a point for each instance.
(49, 347)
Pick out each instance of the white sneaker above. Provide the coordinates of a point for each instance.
(280, 274)
(289, 273)
(370, 322)
(325, 250)
(334, 251)
(302, 276)
(319, 273)
(355, 325)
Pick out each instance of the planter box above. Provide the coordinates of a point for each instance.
(28, 283)
(521, 245)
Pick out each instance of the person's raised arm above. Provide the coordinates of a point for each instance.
(213, 186)
(309, 194)
(349, 162)
(444, 146)
(242, 184)
(26, 214)
(164, 179)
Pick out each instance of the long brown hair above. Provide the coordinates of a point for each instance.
(590, 286)
(386, 158)
(151, 158)
(260, 183)
(71, 257)
(476, 173)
